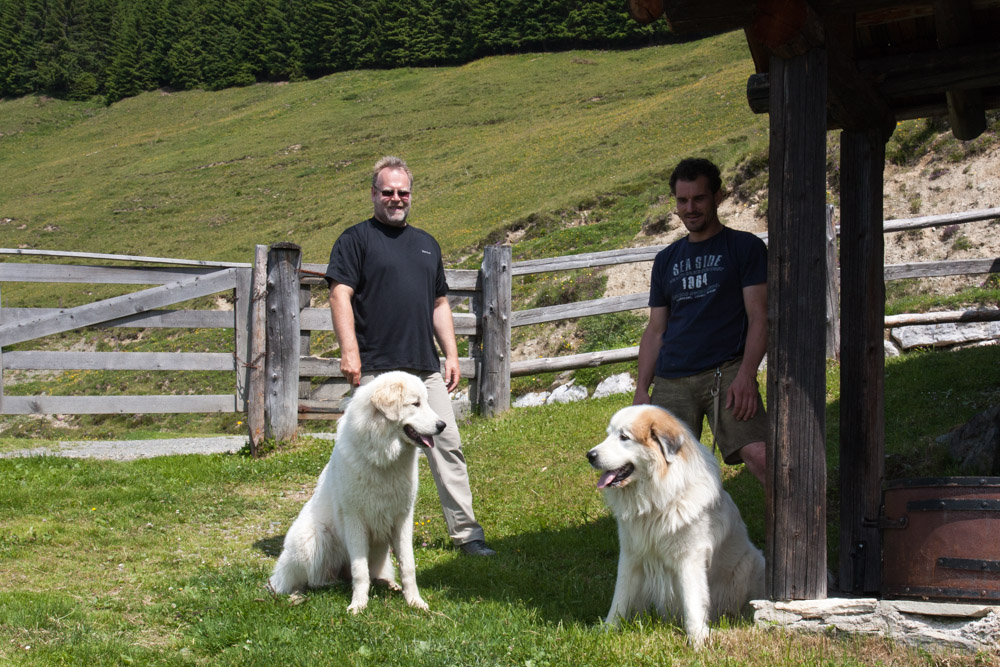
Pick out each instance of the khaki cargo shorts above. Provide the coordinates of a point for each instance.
(690, 400)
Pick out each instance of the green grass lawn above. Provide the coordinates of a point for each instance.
(164, 561)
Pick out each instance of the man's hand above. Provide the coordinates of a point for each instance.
(350, 366)
(741, 398)
(641, 397)
(452, 373)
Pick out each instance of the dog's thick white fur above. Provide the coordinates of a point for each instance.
(683, 546)
(363, 502)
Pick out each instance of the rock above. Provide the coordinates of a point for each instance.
(566, 377)
(532, 400)
(976, 444)
(891, 350)
(616, 384)
(950, 333)
(931, 626)
(567, 393)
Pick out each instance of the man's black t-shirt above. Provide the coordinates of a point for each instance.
(396, 274)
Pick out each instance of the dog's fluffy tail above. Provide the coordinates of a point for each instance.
(307, 559)
(310, 557)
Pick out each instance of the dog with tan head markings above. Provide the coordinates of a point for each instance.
(363, 502)
(683, 548)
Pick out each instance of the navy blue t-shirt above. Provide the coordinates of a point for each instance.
(396, 274)
(701, 284)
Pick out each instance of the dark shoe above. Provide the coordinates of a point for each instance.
(477, 548)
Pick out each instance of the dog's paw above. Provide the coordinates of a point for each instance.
(697, 638)
(418, 603)
(611, 624)
(391, 584)
(357, 607)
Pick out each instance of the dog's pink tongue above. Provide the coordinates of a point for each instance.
(428, 441)
(606, 478)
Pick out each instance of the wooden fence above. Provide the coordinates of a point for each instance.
(273, 321)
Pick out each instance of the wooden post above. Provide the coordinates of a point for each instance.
(832, 289)
(494, 389)
(796, 374)
(242, 314)
(1, 360)
(862, 378)
(282, 367)
(256, 384)
(305, 340)
(476, 350)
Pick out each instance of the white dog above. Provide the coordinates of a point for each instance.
(683, 546)
(363, 501)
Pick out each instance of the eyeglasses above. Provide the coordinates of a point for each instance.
(387, 193)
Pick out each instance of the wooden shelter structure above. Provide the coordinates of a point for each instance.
(857, 66)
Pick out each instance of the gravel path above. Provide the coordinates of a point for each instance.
(128, 450)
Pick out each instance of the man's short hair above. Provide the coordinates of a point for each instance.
(390, 162)
(689, 169)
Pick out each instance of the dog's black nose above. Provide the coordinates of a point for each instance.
(440, 425)
(591, 455)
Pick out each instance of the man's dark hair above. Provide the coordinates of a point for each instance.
(689, 169)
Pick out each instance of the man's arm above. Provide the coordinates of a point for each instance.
(444, 332)
(343, 325)
(741, 397)
(649, 350)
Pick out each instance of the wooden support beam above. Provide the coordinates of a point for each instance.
(852, 100)
(281, 369)
(966, 113)
(862, 360)
(494, 386)
(796, 377)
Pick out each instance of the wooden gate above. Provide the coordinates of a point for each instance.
(145, 308)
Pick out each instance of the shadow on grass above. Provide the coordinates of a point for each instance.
(565, 574)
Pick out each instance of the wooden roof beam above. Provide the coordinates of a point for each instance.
(688, 16)
(956, 68)
(853, 102)
(966, 113)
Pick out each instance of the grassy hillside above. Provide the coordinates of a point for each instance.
(206, 175)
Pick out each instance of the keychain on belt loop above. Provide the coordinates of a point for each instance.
(716, 391)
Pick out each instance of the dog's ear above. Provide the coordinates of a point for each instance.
(669, 442)
(388, 399)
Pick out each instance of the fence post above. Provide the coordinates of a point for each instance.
(258, 346)
(832, 289)
(1, 361)
(305, 339)
(494, 388)
(282, 367)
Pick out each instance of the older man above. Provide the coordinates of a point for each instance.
(387, 299)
